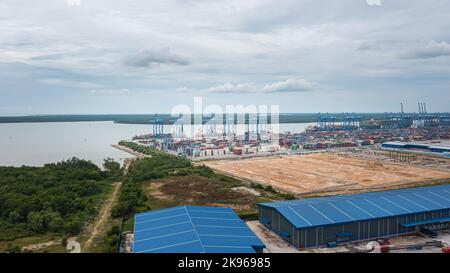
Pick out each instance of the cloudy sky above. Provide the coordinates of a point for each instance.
(146, 56)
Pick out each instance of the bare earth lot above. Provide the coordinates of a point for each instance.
(327, 173)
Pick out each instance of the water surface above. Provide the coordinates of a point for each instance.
(34, 144)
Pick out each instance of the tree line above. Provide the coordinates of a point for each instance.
(58, 197)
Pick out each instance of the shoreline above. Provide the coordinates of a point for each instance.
(130, 151)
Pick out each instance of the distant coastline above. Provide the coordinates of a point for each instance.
(167, 118)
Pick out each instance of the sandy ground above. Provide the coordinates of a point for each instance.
(39, 246)
(325, 173)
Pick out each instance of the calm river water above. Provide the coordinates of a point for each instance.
(35, 144)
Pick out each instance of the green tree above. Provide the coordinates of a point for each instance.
(36, 222)
(14, 217)
(73, 226)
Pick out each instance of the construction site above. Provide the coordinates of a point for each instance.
(331, 173)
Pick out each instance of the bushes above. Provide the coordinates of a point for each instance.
(46, 220)
(270, 189)
(257, 186)
(73, 226)
(13, 249)
(112, 238)
(130, 198)
(55, 198)
(112, 170)
(249, 216)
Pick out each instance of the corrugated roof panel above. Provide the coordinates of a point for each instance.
(312, 215)
(212, 215)
(164, 230)
(185, 247)
(162, 241)
(441, 195)
(408, 206)
(353, 211)
(189, 229)
(237, 231)
(216, 222)
(368, 207)
(436, 199)
(170, 220)
(333, 213)
(424, 204)
(228, 241)
(388, 205)
(141, 217)
(294, 217)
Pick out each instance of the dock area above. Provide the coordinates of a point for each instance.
(130, 151)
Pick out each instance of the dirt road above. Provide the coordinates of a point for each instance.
(102, 217)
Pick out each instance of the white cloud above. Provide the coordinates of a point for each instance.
(290, 85)
(233, 88)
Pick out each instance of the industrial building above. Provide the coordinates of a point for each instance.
(193, 229)
(418, 147)
(328, 221)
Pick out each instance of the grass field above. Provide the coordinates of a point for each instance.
(32, 240)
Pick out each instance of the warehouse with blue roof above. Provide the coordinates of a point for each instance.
(443, 150)
(193, 229)
(317, 222)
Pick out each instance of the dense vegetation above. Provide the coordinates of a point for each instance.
(57, 198)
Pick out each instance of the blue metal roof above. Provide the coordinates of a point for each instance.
(193, 229)
(408, 145)
(357, 207)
